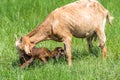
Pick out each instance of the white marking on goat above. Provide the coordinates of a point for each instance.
(104, 21)
(17, 43)
(87, 34)
(91, 0)
(88, 5)
(103, 25)
(87, 17)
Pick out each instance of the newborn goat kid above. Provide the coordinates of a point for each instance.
(43, 54)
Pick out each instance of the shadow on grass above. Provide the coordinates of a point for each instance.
(37, 63)
(96, 51)
(15, 63)
(84, 53)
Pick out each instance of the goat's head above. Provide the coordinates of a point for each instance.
(24, 44)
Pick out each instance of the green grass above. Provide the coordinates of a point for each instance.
(21, 16)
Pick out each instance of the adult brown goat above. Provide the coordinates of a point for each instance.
(81, 19)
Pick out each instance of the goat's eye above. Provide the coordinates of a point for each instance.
(32, 42)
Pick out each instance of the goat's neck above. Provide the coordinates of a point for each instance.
(40, 33)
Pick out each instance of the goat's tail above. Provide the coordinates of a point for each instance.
(110, 18)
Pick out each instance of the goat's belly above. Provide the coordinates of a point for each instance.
(82, 34)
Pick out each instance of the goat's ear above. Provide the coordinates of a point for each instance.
(15, 36)
(20, 39)
(17, 42)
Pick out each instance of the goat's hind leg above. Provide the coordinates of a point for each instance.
(90, 45)
(102, 40)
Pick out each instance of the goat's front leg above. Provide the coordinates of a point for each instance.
(67, 47)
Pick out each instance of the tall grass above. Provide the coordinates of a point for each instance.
(21, 16)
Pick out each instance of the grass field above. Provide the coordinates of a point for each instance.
(21, 16)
